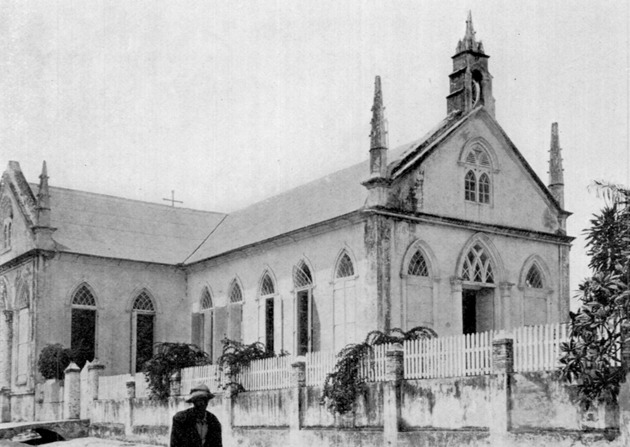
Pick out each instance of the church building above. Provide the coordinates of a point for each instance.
(454, 231)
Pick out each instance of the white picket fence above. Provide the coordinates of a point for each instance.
(455, 356)
(266, 374)
(374, 367)
(208, 375)
(318, 366)
(536, 348)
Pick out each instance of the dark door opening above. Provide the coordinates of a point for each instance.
(303, 323)
(477, 310)
(469, 311)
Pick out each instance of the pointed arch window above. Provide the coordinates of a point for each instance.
(235, 312)
(345, 268)
(418, 265)
(537, 302)
(267, 312)
(83, 325)
(142, 330)
(417, 289)
(344, 302)
(305, 336)
(477, 180)
(534, 278)
(470, 187)
(302, 276)
(202, 324)
(478, 266)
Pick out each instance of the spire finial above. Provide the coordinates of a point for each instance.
(556, 175)
(378, 135)
(470, 30)
(469, 42)
(43, 199)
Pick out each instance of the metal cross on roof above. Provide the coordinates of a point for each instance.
(172, 199)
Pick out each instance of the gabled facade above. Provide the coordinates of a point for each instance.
(454, 231)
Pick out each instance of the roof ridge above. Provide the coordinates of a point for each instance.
(80, 191)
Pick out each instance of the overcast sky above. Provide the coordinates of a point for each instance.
(230, 102)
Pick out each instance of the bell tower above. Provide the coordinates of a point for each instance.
(470, 81)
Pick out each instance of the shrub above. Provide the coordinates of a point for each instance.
(53, 360)
(344, 384)
(169, 358)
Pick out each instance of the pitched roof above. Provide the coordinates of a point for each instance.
(328, 197)
(114, 227)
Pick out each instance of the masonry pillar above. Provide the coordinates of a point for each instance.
(391, 395)
(298, 382)
(175, 384)
(500, 387)
(229, 400)
(94, 373)
(72, 392)
(127, 407)
(624, 390)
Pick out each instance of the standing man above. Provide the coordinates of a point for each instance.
(196, 427)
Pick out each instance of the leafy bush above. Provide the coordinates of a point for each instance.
(591, 358)
(237, 355)
(344, 384)
(53, 360)
(169, 358)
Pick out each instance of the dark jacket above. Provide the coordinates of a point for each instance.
(184, 432)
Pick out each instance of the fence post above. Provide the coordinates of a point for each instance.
(72, 392)
(94, 373)
(298, 382)
(391, 394)
(624, 390)
(176, 384)
(501, 385)
(229, 400)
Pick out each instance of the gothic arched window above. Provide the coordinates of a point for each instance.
(417, 287)
(345, 268)
(418, 265)
(344, 302)
(143, 328)
(235, 312)
(534, 278)
(266, 312)
(203, 323)
(470, 187)
(477, 181)
(304, 312)
(83, 325)
(477, 266)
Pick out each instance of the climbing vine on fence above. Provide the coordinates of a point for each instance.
(344, 384)
(237, 355)
(170, 358)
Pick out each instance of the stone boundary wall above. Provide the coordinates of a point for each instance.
(503, 409)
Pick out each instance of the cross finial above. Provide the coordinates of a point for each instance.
(172, 199)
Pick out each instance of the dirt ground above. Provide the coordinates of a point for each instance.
(97, 442)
